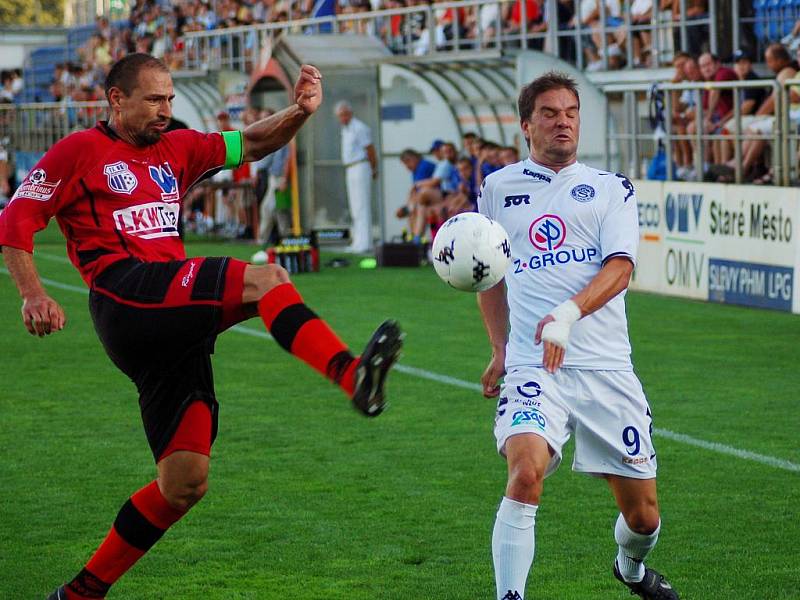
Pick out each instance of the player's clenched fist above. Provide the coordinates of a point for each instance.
(308, 89)
(554, 330)
(42, 315)
(494, 371)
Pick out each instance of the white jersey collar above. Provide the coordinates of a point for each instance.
(529, 162)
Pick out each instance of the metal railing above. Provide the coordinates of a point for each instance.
(37, 126)
(422, 31)
(635, 141)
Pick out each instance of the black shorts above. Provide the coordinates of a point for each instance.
(158, 322)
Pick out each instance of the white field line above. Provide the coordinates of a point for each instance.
(764, 459)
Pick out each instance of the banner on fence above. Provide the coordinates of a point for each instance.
(734, 244)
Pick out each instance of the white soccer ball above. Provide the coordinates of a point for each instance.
(471, 252)
(259, 258)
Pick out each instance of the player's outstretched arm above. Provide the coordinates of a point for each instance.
(494, 311)
(554, 329)
(41, 314)
(267, 135)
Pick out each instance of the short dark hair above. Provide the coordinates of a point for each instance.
(470, 135)
(552, 80)
(125, 72)
(409, 153)
(779, 52)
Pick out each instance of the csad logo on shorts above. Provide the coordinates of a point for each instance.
(120, 178)
(582, 193)
(529, 417)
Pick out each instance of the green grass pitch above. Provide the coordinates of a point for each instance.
(308, 500)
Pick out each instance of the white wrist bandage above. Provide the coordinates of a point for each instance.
(557, 331)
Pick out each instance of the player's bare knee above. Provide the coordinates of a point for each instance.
(525, 483)
(259, 279)
(643, 519)
(184, 493)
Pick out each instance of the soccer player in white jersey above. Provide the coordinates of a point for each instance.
(574, 233)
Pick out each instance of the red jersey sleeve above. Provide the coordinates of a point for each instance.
(47, 189)
(207, 153)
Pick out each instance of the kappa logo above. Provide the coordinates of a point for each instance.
(120, 178)
(36, 187)
(535, 175)
(547, 233)
(149, 221)
(165, 180)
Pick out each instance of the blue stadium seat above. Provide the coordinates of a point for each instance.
(787, 17)
(760, 11)
(774, 15)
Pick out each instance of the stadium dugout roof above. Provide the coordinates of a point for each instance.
(480, 89)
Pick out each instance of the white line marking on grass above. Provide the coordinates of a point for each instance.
(52, 257)
(730, 450)
(764, 459)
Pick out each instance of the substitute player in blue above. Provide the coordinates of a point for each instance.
(574, 234)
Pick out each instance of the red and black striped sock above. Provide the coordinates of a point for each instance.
(140, 523)
(300, 331)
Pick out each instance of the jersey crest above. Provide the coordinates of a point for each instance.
(120, 178)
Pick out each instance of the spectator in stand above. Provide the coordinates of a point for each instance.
(717, 104)
(421, 170)
(780, 62)
(466, 185)
(684, 115)
(392, 32)
(512, 17)
(488, 161)
(7, 90)
(750, 100)
(697, 34)
(589, 16)
(641, 15)
(509, 155)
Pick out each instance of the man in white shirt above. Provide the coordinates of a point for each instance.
(574, 236)
(360, 160)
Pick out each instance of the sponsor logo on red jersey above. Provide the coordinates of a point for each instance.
(163, 177)
(149, 221)
(36, 187)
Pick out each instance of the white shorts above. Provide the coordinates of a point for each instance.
(605, 410)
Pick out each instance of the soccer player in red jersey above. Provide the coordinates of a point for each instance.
(115, 191)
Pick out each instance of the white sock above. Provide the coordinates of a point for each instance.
(512, 547)
(633, 549)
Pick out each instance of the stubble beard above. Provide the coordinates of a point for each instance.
(147, 137)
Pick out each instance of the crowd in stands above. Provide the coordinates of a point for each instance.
(157, 27)
(448, 184)
(757, 109)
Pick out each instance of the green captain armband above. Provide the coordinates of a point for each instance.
(234, 149)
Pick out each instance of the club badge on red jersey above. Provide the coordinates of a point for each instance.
(120, 178)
